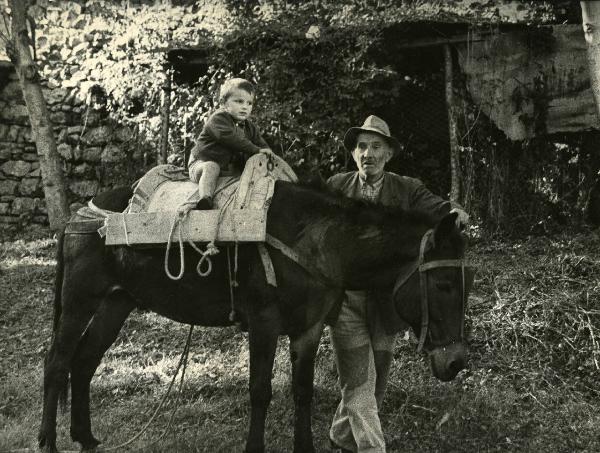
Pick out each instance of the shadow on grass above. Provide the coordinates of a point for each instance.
(517, 395)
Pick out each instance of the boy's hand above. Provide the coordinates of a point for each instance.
(266, 151)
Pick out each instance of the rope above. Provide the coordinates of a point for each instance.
(184, 358)
(232, 279)
(233, 283)
(176, 220)
(235, 265)
(211, 249)
(125, 229)
(182, 361)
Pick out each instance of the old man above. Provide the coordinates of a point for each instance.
(362, 337)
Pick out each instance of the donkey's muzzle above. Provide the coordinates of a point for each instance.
(447, 361)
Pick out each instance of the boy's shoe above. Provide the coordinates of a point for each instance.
(204, 204)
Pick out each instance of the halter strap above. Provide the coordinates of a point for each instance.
(427, 241)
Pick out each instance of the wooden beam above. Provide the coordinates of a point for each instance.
(240, 225)
(440, 41)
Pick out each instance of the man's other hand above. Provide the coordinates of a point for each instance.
(462, 220)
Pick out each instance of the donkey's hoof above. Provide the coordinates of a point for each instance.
(92, 449)
(48, 449)
(91, 445)
(45, 445)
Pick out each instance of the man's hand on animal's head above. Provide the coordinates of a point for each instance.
(462, 220)
(371, 153)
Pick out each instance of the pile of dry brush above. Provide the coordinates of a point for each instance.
(538, 301)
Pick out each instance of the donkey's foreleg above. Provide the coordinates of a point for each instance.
(263, 332)
(303, 350)
(100, 335)
(56, 371)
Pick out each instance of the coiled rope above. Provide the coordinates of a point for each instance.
(179, 220)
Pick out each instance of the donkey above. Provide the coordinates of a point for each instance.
(328, 243)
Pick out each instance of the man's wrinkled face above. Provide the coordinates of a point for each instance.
(371, 153)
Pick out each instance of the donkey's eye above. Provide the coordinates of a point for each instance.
(444, 286)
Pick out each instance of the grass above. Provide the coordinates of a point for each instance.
(534, 320)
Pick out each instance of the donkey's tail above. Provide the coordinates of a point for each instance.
(58, 286)
(58, 282)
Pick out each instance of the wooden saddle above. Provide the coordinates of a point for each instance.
(239, 213)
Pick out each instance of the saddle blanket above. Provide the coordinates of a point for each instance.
(239, 213)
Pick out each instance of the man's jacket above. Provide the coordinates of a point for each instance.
(406, 193)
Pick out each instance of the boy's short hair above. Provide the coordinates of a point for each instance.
(235, 84)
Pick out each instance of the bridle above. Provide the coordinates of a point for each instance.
(427, 241)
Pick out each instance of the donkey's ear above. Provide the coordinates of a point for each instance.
(445, 226)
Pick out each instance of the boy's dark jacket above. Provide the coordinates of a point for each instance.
(222, 137)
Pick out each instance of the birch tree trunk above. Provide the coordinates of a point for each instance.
(165, 114)
(590, 12)
(41, 126)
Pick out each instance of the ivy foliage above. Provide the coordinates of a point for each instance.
(312, 61)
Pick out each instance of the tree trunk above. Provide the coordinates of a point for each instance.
(452, 127)
(41, 126)
(165, 117)
(590, 12)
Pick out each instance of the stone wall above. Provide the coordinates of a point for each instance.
(97, 153)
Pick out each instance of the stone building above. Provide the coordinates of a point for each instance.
(97, 153)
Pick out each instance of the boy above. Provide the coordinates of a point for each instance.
(227, 132)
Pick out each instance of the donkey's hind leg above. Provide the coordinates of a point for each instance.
(264, 328)
(303, 350)
(100, 335)
(69, 329)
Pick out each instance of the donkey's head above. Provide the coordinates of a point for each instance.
(431, 295)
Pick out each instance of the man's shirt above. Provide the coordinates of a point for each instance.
(370, 192)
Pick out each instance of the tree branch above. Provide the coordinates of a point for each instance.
(5, 37)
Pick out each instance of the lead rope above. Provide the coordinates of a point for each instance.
(184, 357)
(182, 361)
(232, 279)
(233, 283)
